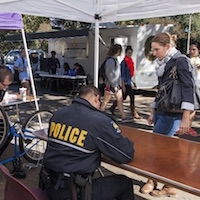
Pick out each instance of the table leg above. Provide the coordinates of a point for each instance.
(17, 112)
(73, 89)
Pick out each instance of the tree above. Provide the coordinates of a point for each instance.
(180, 25)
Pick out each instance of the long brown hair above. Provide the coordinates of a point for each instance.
(114, 49)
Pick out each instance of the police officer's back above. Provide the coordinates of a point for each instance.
(78, 134)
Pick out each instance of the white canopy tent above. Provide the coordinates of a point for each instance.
(99, 11)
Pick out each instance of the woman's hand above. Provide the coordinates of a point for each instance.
(185, 123)
(150, 119)
(116, 89)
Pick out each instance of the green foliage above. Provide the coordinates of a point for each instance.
(180, 25)
(75, 24)
(32, 23)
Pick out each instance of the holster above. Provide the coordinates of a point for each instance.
(85, 185)
(73, 188)
(44, 180)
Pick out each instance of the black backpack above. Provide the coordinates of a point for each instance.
(102, 74)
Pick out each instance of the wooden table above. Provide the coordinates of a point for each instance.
(168, 160)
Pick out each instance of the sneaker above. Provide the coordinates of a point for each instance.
(127, 119)
(192, 132)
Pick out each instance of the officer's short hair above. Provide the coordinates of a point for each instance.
(5, 71)
(89, 89)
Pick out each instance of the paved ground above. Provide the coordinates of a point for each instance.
(52, 101)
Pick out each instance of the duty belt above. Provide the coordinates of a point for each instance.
(77, 183)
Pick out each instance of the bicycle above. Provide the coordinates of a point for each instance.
(30, 147)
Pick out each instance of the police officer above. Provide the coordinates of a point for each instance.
(78, 134)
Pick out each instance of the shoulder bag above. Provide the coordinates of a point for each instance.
(169, 94)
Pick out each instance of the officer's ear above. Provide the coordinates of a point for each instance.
(97, 102)
(96, 98)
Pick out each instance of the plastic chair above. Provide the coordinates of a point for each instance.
(16, 190)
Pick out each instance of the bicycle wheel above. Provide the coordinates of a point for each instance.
(33, 147)
(4, 127)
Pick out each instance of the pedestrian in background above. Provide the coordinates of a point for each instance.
(113, 81)
(127, 73)
(53, 63)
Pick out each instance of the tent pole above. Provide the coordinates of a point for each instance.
(96, 53)
(29, 68)
(96, 44)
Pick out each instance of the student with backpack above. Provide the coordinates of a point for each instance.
(113, 81)
(127, 72)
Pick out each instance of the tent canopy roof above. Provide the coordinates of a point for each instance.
(10, 21)
(105, 10)
(48, 35)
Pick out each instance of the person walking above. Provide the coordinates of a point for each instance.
(168, 123)
(113, 81)
(77, 136)
(127, 73)
(21, 65)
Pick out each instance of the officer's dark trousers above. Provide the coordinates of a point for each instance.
(116, 187)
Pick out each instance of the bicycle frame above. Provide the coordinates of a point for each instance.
(17, 135)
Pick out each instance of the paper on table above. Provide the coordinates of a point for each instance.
(12, 96)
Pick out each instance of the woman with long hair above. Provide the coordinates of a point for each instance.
(127, 72)
(114, 83)
(168, 123)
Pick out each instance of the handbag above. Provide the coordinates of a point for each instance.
(196, 96)
(169, 94)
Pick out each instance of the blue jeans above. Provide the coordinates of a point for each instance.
(166, 125)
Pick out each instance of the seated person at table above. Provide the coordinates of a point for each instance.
(21, 65)
(66, 68)
(66, 84)
(6, 78)
(79, 68)
(78, 135)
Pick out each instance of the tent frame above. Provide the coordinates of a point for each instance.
(30, 69)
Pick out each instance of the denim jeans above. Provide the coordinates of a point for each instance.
(166, 125)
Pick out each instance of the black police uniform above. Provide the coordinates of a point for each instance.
(78, 134)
